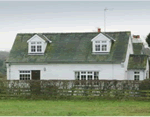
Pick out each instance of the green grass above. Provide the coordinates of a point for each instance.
(77, 108)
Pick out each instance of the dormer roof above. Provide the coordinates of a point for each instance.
(104, 36)
(70, 48)
(41, 36)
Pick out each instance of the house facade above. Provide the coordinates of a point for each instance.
(76, 56)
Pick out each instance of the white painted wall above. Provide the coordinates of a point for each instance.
(135, 40)
(131, 74)
(143, 73)
(147, 69)
(129, 51)
(66, 71)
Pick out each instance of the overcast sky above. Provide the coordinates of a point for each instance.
(29, 17)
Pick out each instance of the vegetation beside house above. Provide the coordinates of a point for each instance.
(3, 57)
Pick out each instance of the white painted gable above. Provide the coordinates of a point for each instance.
(100, 37)
(36, 38)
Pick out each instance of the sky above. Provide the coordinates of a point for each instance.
(71, 16)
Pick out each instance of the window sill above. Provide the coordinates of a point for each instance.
(35, 53)
(100, 53)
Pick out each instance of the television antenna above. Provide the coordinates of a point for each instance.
(105, 17)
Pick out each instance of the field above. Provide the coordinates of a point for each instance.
(77, 108)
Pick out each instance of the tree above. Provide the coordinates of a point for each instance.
(148, 39)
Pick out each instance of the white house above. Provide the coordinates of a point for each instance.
(81, 56)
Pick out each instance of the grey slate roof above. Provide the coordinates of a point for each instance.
(43, 37)
(70, 48)
(137, 62)
(137, 48)
(146, 51)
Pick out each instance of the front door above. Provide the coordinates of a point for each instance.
(35, 84)
(35, 74)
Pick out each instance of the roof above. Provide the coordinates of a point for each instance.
(70, 48)
(146, 51)
(137, 62)
(108, 36)
(137, 48)
(43, 37)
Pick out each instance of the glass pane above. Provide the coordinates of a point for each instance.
(33, 48)
(104, 41)
(39, 48)
(97, 47)
(104, 47)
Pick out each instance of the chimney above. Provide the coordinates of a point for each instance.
(99, 30)
(136, 36)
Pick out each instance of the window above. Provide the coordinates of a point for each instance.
(33, 48)
(104, 47)
(87, 75)
(101, 46)
(25, 75)
(97, 47)
(36, 47)
(136, 75)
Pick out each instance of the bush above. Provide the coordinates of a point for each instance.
(145, 85)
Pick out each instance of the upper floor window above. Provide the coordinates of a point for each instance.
(101, 46)
(36, 47)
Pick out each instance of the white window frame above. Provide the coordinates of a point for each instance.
(36, 44)
(100, 46)
(136, 75)
(86, 75)
(24, 74)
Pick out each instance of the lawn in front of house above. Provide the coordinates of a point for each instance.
(76, 108)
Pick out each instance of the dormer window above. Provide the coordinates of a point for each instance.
(101, 43)
(101, 46)
(36, 47)
(37, 44)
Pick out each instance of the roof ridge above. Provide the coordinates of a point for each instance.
(72, 32)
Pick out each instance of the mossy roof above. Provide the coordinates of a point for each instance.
(137, 61)
(137, 48)
(70, 48)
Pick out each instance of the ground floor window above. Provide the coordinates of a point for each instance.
(87, 75)
(136, 75)
(25, 75)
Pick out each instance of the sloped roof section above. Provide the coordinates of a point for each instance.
(146, 51)
(70, 48)
(43, 37)
(108, 36)
(137, 48)
(137, 62)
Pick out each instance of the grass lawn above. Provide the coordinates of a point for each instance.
(77, 108)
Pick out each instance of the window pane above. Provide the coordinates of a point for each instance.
(136, 72)
(96, 75)
(97, 41)
(83, 72)
(104, 47)
(39, 48)
(33, 48)
(90, 72)
(136, 77)
(90, 77)
(97, 47)
(103, 41)
(32, 42)
(83, 77)
(38, 42)
(25, 75)
(77, 75)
